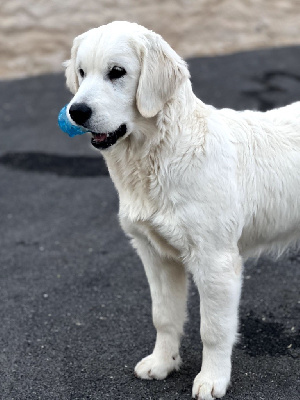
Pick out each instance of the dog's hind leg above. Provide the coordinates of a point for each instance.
(168, 287)
(218, 278)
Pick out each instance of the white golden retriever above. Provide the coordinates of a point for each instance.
(200, 189)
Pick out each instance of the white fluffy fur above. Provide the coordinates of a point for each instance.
(200, 189)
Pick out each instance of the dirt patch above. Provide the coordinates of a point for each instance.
(36, 36)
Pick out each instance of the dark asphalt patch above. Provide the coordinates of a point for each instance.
(272, 86)
(254, 80)
(77, 166)
(261, 338)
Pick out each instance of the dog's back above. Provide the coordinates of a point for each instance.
(268, 147)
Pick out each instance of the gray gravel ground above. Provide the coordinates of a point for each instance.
(75, 304)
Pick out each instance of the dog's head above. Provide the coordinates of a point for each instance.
(120, 73)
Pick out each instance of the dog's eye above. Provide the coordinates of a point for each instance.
(116, 73)
(81, 72)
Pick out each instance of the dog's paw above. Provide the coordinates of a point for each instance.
(208, 388)
(153, 367)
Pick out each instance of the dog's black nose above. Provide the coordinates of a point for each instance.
(80, 113)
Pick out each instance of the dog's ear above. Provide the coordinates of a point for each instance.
(162, 72)
(70, 65)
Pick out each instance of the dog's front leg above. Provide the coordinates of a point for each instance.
(168, 287)
(218, 278)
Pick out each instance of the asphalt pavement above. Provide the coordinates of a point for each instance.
(74, 301)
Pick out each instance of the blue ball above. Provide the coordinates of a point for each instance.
(66, 126)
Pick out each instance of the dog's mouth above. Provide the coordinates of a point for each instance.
(104, 140)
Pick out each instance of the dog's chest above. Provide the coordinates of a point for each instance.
(145, 206)
(137, 182)
(143, 215)
(153, 236)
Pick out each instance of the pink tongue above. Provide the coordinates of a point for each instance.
(100, 137)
